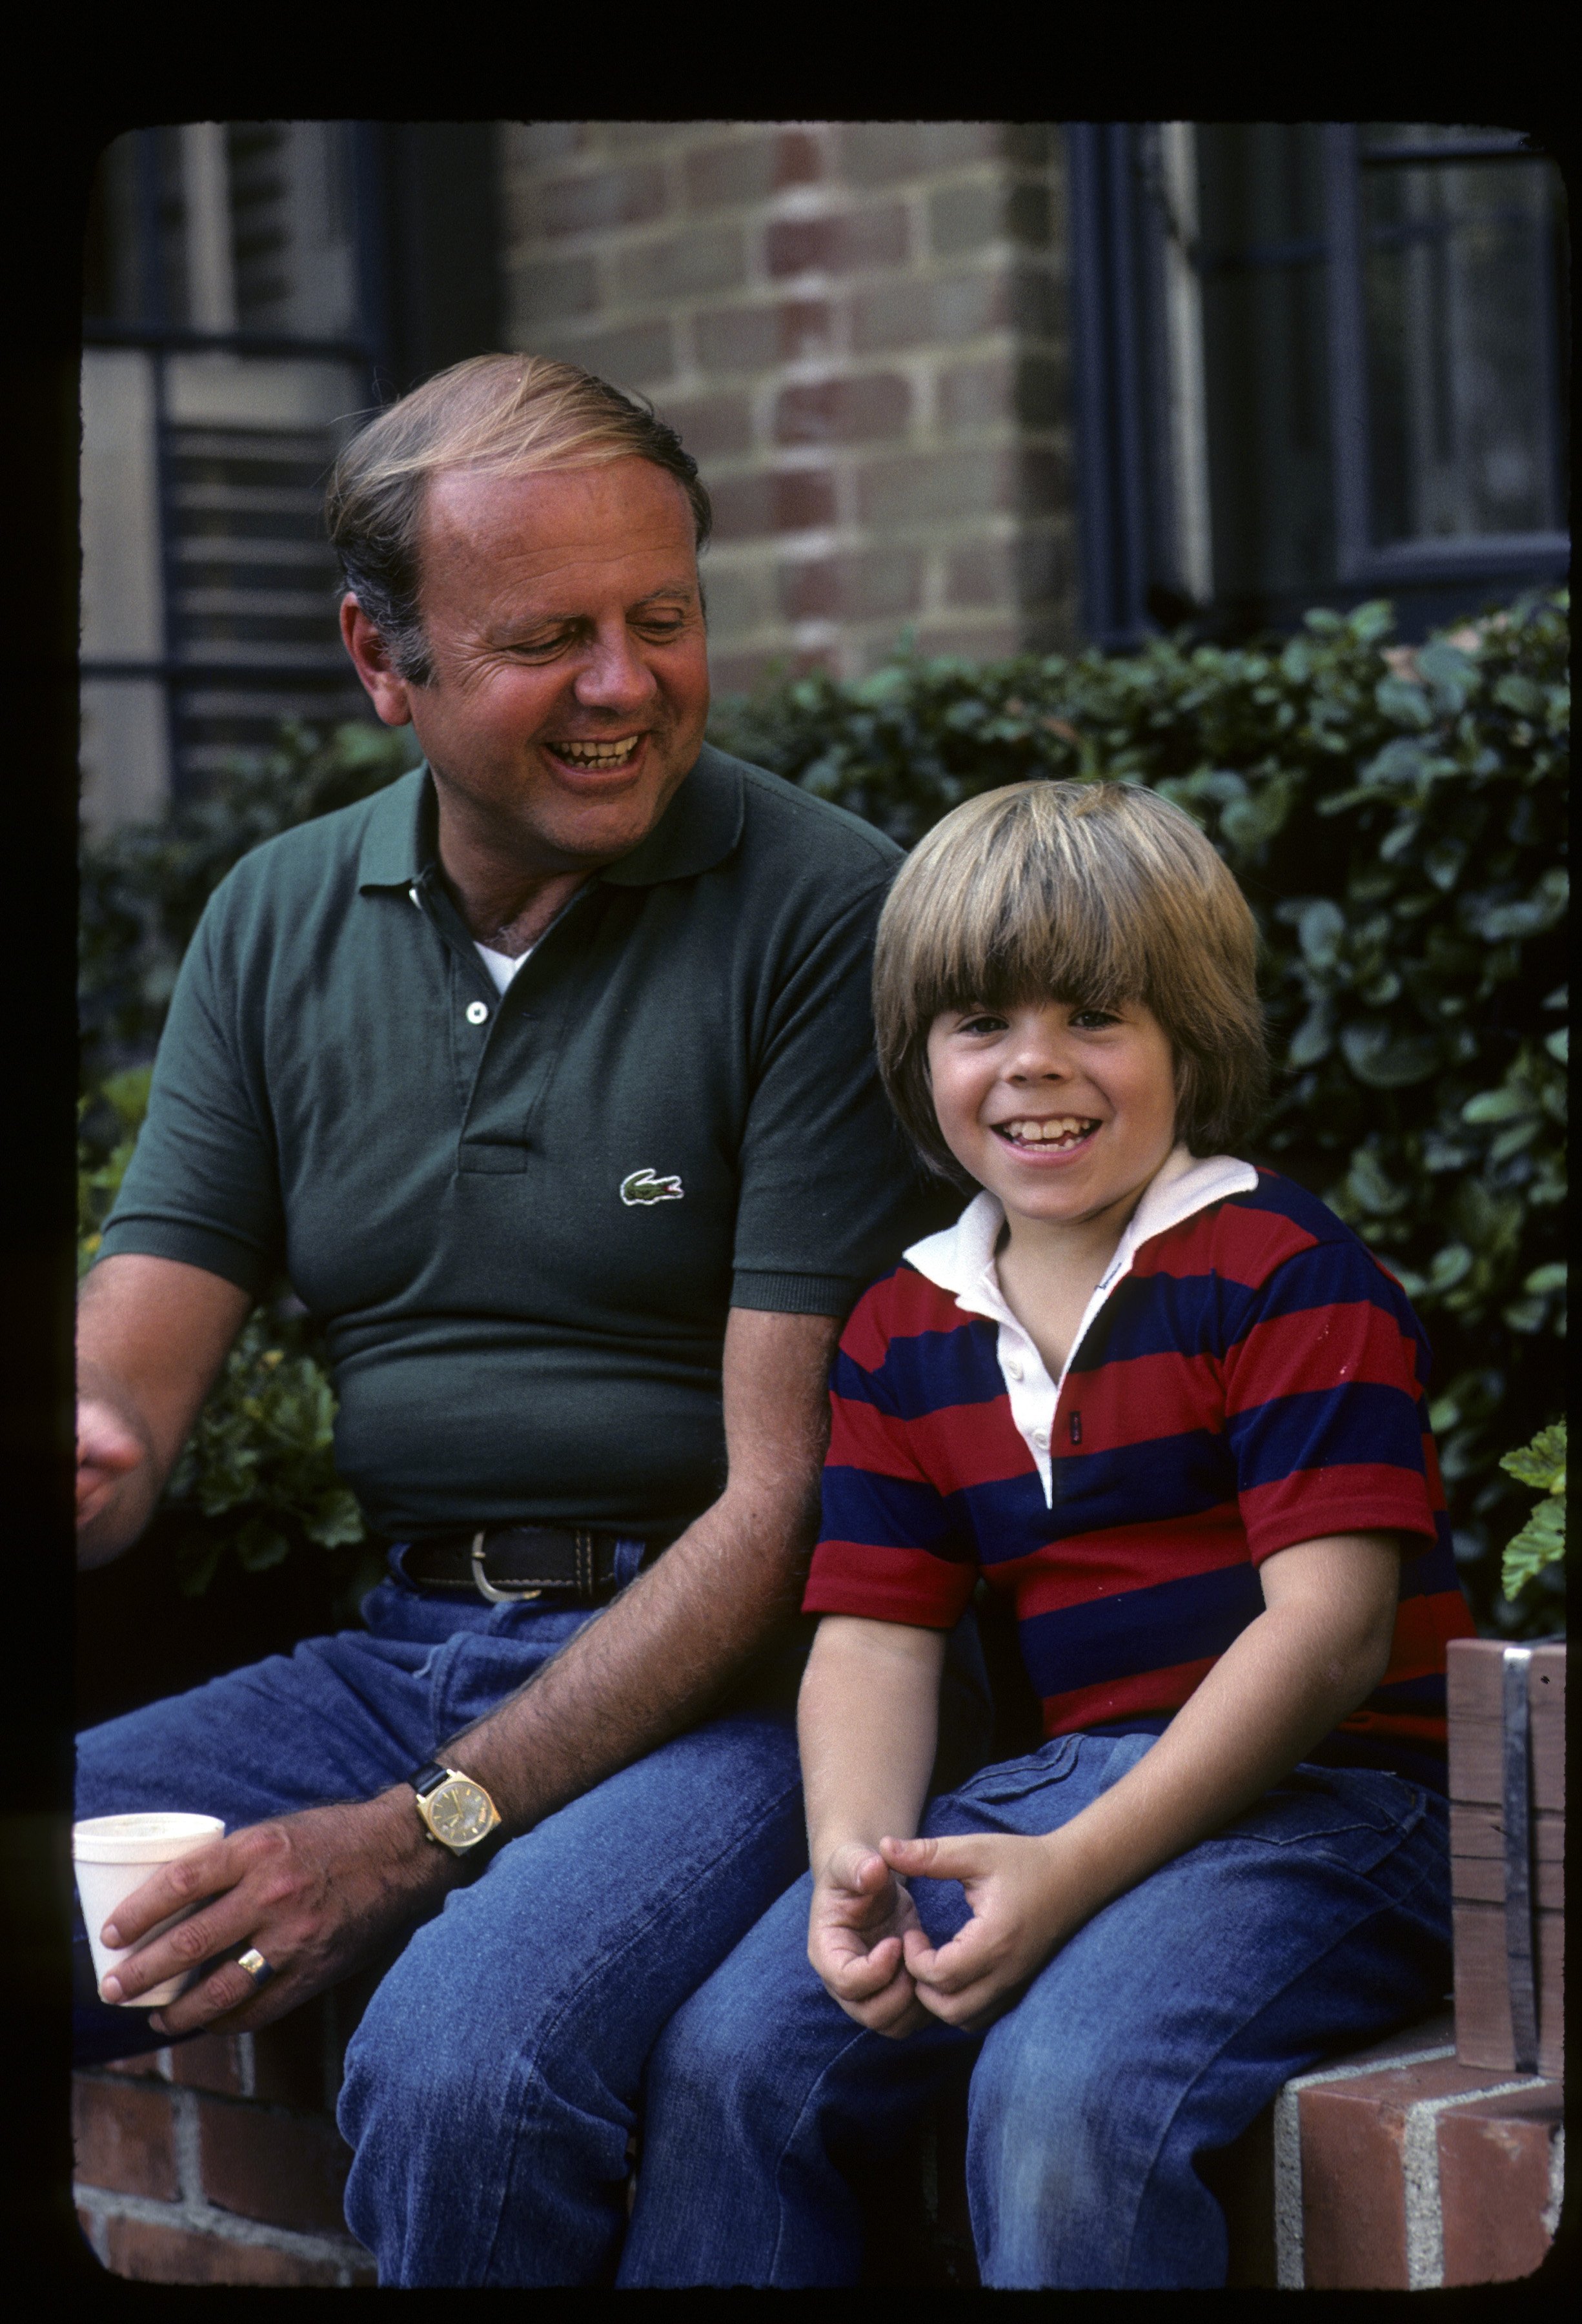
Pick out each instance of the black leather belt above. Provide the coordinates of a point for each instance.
(500, 1562)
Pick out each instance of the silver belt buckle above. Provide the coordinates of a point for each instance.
(487, 1587)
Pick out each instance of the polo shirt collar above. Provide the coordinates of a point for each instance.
(698, 829)
(961, 1259)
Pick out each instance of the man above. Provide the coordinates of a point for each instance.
(545, 1075)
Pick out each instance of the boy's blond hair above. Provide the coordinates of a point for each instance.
(1096, 892)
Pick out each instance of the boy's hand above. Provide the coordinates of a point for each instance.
(1022, 1909)
(861, 1915)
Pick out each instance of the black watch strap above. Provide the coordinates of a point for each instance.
(429, 1777)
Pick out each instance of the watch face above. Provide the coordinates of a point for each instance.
(460, 1811)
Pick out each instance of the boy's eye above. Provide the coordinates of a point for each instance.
(1093, 1020)
(983, 1022)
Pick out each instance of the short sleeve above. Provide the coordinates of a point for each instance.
(202, 1185)
(889, 1548)
(1325, 1408)
(830, 1193)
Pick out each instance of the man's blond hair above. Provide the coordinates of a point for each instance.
(1095, 893)
(511, 414)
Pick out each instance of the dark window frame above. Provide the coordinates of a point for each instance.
(1534, 555)
(1130, 591)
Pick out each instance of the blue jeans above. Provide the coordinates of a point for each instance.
(491, 2086)
(1318, 1921)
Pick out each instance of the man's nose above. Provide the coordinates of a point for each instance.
(614, 677)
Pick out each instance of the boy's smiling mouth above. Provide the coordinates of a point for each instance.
(1060, 1131)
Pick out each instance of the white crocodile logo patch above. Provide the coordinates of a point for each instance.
(642, 1186)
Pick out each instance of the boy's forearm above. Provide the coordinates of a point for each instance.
(1281, 1685)
(867, 1720)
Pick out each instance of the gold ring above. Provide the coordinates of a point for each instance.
(256, 1966)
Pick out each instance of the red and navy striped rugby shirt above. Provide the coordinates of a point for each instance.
(1248, 1376)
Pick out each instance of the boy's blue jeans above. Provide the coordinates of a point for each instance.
(1318, 1920)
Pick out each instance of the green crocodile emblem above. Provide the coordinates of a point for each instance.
(643, 1186)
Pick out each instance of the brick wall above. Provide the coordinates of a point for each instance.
(860, 328)
(217, 2160)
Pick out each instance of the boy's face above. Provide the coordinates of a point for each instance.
(1063, 1112)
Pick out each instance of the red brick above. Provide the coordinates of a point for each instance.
(743, 673)
(799, 158)
(600, 198)
(288, 2170)
(904, 312)
(148, 2066)
(1352, 2177)
(1495, 2185)
(123, 2133)
(860, 411)
(804, 499)
(837, 244)
(753, 507)
(679, 266)
(157, 2253)
(882, 153)
(630, 354)
(546, 288)
(211, 2062)
(743, 169)
(711, 425)
(980, 575)
(863, 586)
(923, 488)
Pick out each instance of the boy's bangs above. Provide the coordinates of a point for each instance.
(1031, 937)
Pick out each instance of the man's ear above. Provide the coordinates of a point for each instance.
(371, 659)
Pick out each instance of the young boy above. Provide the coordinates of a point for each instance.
(1172, 1408)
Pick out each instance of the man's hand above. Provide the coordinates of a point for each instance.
(314, 1893)
(861, 1914)
(151, 1335)
(1022, 1910)
(109, 1448)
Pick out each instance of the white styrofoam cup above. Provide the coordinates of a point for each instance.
(114, 1855)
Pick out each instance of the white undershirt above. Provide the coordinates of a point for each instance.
(502, 965)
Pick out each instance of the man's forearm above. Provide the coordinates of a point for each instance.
(651, 1665)
(661, 1655)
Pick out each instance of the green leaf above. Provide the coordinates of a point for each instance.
(1385, 1059)
(1544, 1279)
(1320, 932)
(1541, 1543)
(1541, 1464)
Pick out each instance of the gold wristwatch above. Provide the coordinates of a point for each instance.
(456, 1812)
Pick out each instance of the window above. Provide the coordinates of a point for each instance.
(1316, 361)
(251, 288)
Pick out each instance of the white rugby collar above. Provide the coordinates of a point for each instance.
(961, 1260)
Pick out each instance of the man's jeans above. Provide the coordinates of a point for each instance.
(494, 2081)
(1318, 1921)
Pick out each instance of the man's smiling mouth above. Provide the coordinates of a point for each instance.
(598, 756)
(1060, 1131)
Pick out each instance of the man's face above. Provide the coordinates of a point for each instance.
(570, 687)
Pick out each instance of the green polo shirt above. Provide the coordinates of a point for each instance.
(522, 1218)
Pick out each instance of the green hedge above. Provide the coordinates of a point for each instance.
(1397, 819)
